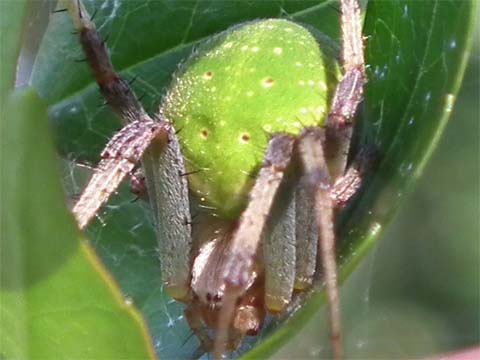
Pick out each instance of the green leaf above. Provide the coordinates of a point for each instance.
(57, 299)
(12, 14)
(416, 52)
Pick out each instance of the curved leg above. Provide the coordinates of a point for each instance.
(127, 147)
(346, 186)
(119, 158)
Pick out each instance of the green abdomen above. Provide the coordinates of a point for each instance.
(247, 83)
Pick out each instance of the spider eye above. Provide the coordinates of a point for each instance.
(217, 298)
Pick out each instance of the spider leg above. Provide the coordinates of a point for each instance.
(318, 180)
(116, 90)
(341, 192)
(339, 128)
(346, 186)
(119, 157)
(167, 191)
(247, 237)
(126, 148)
(349, 92)
(306, 238)
(279, 258)
(195, 322)
(138, 187)
(295, 235)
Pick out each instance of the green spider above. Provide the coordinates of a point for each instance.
(265, 115)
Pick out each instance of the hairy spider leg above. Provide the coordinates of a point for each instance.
(349, 92)
(151, 140)
(319, 183)
(126, 148)
(290, 244)
(251, 227)
(348, 95)
(113, 87)
(317, 145)
(118, 159)
(167, 190)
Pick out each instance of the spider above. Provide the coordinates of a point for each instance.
(263, 206)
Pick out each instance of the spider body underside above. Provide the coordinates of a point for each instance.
(232, 269)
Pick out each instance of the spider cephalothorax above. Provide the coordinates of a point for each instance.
(208, 290)
(265, 120)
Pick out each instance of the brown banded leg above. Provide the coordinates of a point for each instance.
(119, 158)
(114, 89)
(349, 92)
(347, 186)
(317, 179)
(126, 148)
(348, 95)
(246, 239)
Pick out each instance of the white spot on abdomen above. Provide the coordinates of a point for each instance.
(277, 51)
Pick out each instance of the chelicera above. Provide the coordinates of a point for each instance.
(266, 116)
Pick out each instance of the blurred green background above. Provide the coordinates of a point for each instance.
(418, 292)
